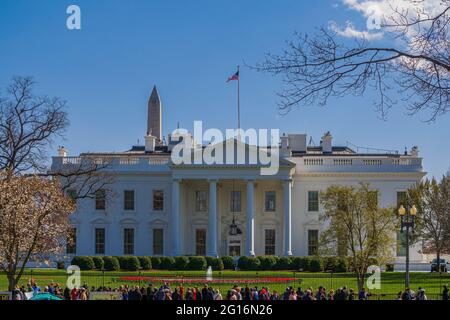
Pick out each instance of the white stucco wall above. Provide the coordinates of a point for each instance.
(142, 178)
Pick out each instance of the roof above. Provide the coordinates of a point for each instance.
(341, 151)
(135, 150)
(238, 146)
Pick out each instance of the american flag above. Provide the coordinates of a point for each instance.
(234, 76)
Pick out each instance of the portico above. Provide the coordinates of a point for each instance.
(234, 195)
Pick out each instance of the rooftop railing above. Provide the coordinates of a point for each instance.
(313, 163)
(375, 163)
(116, 161)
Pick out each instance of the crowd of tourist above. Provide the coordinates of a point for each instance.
(165, 292)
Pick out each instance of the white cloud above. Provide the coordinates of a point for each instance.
(378, 12)
(349, 31)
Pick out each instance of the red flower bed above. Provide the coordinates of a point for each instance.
(224, 279)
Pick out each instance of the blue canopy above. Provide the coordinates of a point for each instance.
(45, 296)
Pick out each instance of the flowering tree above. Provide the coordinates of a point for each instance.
(33, 218)
(34, 212)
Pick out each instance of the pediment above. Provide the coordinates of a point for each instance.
(158, 222)
(312, 222)
(228, 153)
(128, 221)
(99, 221)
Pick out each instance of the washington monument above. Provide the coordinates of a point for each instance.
(154, 120)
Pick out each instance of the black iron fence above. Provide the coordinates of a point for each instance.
(390, 285)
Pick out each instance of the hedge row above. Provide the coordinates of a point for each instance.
(129, 263)
(187, 263)
(312, 264)
(132, 263)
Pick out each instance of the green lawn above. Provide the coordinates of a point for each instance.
(391, 282)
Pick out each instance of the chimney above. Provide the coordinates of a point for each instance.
(415, 152)
(284, 142)
(326, 142)
(62, 152)
(150, 142)
(284, 150)
(297, 142)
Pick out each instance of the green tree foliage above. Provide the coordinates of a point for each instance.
(432, 222)
(355, 221)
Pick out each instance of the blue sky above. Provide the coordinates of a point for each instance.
(107, 69)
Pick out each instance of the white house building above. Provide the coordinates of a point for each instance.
(159, 208)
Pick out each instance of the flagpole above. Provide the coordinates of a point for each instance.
(239, 102)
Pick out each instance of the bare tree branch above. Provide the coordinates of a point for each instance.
(28, 125)
(314, 69)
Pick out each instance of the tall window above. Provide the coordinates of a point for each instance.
(313, 201)
(99, 241)
(128, 200)
(100, 199)
(158, 242)
(128, 241)
(201, 201)
(71, 246)
(200, 242)
(158, 200)
(234, 248)
(235, 201)
(270, 201)
(269, 242)
(401, 198)
(313, 242)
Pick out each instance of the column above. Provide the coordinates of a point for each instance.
(287, 201)
(250, 243)
(212, 220)
(175, 220)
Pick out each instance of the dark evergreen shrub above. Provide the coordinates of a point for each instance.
(121, 260)
(197, 263)
(284, 263)
(98, 262)
(181, 263)
(248, 263)
(156, 262)
(167, 263)
(300, 263)
(129, 263)
(268, 262)
(228, 262)
(315, 264)
(330, 264)
(83, 262)
(145, 263)
(111, 263)
(215, 263)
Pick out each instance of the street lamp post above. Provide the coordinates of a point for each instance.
(407, 216)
